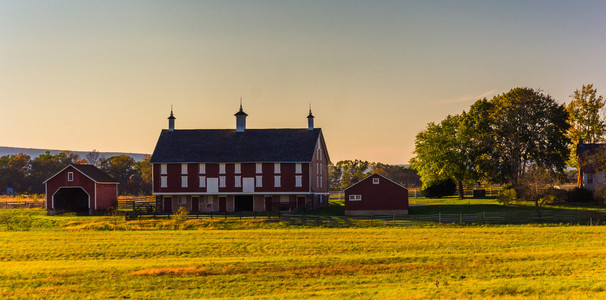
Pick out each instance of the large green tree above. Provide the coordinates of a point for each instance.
(586, 121)
(528, 128)
(444, 151)
(585, 115)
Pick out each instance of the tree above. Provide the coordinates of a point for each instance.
(44, 166)
(586, 122)
(121, 168)
(13, 172)
(585, 119)
(143, 170)
(94, 157)
(528, 128)
(400, 174)
(444, 151)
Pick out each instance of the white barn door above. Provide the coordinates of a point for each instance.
(212, 185)
(248, 185)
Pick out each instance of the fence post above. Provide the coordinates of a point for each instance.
(460, 218)
(225, 214)
(268, 214)
(394, 219)
(590, 221)
(439, 218)
(484, 217)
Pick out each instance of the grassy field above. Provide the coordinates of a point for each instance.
(442, 262)
(76, 257)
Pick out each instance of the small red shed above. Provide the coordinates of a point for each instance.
(83, 189)
(376, 195)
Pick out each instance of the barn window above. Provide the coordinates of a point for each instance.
(375, 181)
(238, 181)
(277, 168)
(298, 181)
(163, 181)
(222, 168)
(276, 181)
(321, 181)
(182, 200)
(184, 181)
(70, 176)
(222, 181)
(284, 199)
(202, 181)
(202, 169)
(298, 169)
(237, 168)
(259, 181)
(355, 197)
(183, 168)
(259, 168)
(589, 178)
(163, 169)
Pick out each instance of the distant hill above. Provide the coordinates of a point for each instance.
(32, 152)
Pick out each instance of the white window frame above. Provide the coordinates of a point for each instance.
(375, 181)
(258, 181)
(202, 181)
(163, 169)
(298, 168)
(276, 168)
(355, 197)
(222, 168)
(238, 181)
(70, 176)
(277, 182)
(259, 168)
(163, 181)
(320, 168)
(298, 181)
(237, 168)
(183, 169)
(321, 181)
(284, 199)
(182, 200)
(202, 169)
(184, 181)
(222, 183)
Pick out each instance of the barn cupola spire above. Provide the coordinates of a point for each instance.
(241, 119)
(171, 120)
(310, 120)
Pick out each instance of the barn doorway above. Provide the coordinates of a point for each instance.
(71, 200)
(244, 203)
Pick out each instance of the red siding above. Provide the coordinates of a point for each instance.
(106, 195)
(383, 196)
(287, 178)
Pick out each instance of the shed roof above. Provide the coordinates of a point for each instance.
(373, 175)
(90, 171)
(227, 145)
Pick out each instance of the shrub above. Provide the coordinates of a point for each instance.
(507, 196)
(553, 196)
(580, 195)
(181, 215)
(600, 195)
(440, 189)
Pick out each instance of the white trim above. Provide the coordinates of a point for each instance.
(71, 187)
(372, 175)
(70, 174)
(201, 168)
(46, 194)
(356, 197)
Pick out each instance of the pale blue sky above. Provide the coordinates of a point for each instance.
(102, 74)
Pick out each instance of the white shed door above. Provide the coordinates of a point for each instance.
(248, 185)
(212, 185)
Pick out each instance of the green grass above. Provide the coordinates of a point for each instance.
(469, 262)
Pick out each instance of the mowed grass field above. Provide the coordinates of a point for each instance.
(447, 262)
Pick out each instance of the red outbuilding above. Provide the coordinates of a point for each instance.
(376, 195)
(83, 189)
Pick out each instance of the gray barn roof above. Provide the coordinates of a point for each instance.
(227, 145)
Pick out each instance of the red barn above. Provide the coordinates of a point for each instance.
(241, 169)
(376, 195)
(83, 189)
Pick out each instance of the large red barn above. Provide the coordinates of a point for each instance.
(83, 189)
(241, 169)
(376, 195)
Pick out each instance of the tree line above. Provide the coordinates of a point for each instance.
(25, 175)
(522, 138)
(347, 172)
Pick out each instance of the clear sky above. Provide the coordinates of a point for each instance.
(83, 75)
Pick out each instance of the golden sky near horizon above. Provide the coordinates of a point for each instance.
(83, 75)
